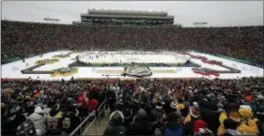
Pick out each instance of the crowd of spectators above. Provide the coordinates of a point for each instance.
(36, 38)
(138, 107)
(52, 107)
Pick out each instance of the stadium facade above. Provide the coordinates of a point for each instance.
(126, 17)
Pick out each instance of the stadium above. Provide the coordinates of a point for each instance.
(131, 72)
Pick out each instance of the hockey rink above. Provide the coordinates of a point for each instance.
(13, 69)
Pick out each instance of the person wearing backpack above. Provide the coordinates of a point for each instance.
(172, 127)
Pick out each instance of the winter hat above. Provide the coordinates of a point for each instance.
(222, 98)
(194, 111)
(195, 104)
(180, 106)
(116, 117)
(35, 92)
(173, 105)
(38, 110)
(249, 98)
(141, 114)
(198, 124)
(260, 97)
(245, 111)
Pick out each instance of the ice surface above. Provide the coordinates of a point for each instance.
(13, 70)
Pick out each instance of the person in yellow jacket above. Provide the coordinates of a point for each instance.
(233, 115)
(248, 124)
(243, 116)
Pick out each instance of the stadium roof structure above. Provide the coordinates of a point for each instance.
(125, 16)
(127, 12)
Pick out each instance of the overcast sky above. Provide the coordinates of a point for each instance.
(216, 13)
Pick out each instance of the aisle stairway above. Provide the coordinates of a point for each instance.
(99, 125)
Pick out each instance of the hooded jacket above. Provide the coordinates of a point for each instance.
(38, 120)
(248, 122)
(115, 127)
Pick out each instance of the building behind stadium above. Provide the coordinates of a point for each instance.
(126, 17)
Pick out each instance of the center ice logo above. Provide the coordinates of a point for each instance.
(137, 71)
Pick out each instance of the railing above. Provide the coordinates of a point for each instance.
(82, 127)
(100, 110)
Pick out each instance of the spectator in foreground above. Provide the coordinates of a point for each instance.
(172, 127)
(39, 120)
(26, 129)
(115, 127)
(70, 120)
(140, 125)
(92, 103)
(54, 121)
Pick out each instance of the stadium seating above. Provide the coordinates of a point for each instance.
(26, 38)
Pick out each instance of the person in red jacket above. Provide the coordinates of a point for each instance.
(82, 99)
(199, 124)
(82, 104)
(92, 103)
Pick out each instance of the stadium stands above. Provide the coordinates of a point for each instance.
(25, 38)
